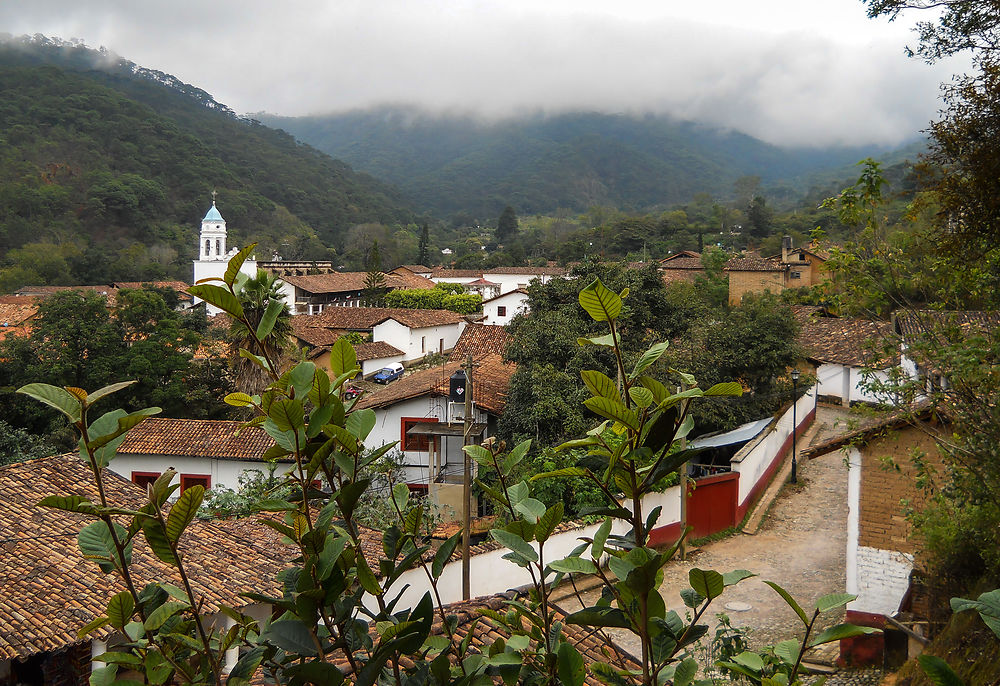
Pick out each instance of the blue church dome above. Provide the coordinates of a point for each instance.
(213, 215)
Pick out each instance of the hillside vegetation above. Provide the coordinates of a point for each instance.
(106, 170)
(573, 161)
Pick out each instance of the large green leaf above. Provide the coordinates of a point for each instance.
(737, 575)
(600, 538)
(183, 511)
(605, 341)
(571, 669)
(161, 614)
(832, 600)
(361, 423)
(266, 326)
(728, 388)
(531, 509)
(291, 635)
(839, 632)
(938, 671)
(600, 617)
(96, 544)
(218, 296)
(686, 672)
(342, 357)
(790, 600)
(788, 650)
(600, 384)
(574, 565)
(988, 606)
(515, 543)
(648, 358)
(613, 409)
(515, 456)
(706, 582)
(565, 471)
(53, 396)
(235, 262)
(600, 302)
(157, 540)
(443, 554)
(287, 414)
(72, 503)
(120, 609)
(548, 522)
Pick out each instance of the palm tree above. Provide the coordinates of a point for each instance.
(255, 295)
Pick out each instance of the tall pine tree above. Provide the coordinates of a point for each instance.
(506, 224)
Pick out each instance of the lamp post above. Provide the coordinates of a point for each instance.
(795, 423)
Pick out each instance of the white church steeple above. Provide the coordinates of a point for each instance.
(212, 243)
(213, 256)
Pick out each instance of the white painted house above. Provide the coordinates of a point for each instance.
(513, 278)
(844, 350)
(501, 309)
(414, 333)
(204, 452)
(213, 258)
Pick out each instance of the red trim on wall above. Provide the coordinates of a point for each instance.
(772, 469)
(863, 650)
(419, 440)
(665, 535)
(143, 478)
(188, 480)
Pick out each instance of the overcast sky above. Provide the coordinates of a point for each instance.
(787, 71)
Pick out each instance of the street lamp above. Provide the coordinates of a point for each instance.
(795, 423)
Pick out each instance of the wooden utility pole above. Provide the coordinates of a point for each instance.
(467, 481)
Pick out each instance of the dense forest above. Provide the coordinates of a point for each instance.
(107, 168)
(540, 164)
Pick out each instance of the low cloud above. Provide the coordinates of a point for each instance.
(791, 86)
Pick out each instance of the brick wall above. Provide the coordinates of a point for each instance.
(882, 518)
(741, 283)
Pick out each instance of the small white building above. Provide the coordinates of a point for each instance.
(414, 333)
(213, 258)
(204, 452)
(845, 351)
(501, 309)
(513, 278)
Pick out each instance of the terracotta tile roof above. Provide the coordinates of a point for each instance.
(683, 261)
(16, 318)
(178, 286)
(416, 268)
(530, 271)
(375, 351)
(343, 282)
(490, 383)
(209, 438)
(504, 295)
(843, 340)
(753, 263)
(210, 349)
(481, 282)
(364, 318)
(913, 324)
(44, 291)
(443, 273)
(307, 329)
(48, 591)
(479, 340)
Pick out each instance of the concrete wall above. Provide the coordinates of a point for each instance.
(759, 459)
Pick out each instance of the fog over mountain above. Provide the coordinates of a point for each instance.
(786, 71)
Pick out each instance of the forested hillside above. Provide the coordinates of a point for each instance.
(538, 164)
(106, 170)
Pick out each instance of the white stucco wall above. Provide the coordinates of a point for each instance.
(882, 578)
(754, 459)
(845, 382)
(516, 303)
(409, 340)
(388, 423)
(456, 279)
(223, 472)
(511, 282)
(369, 367)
